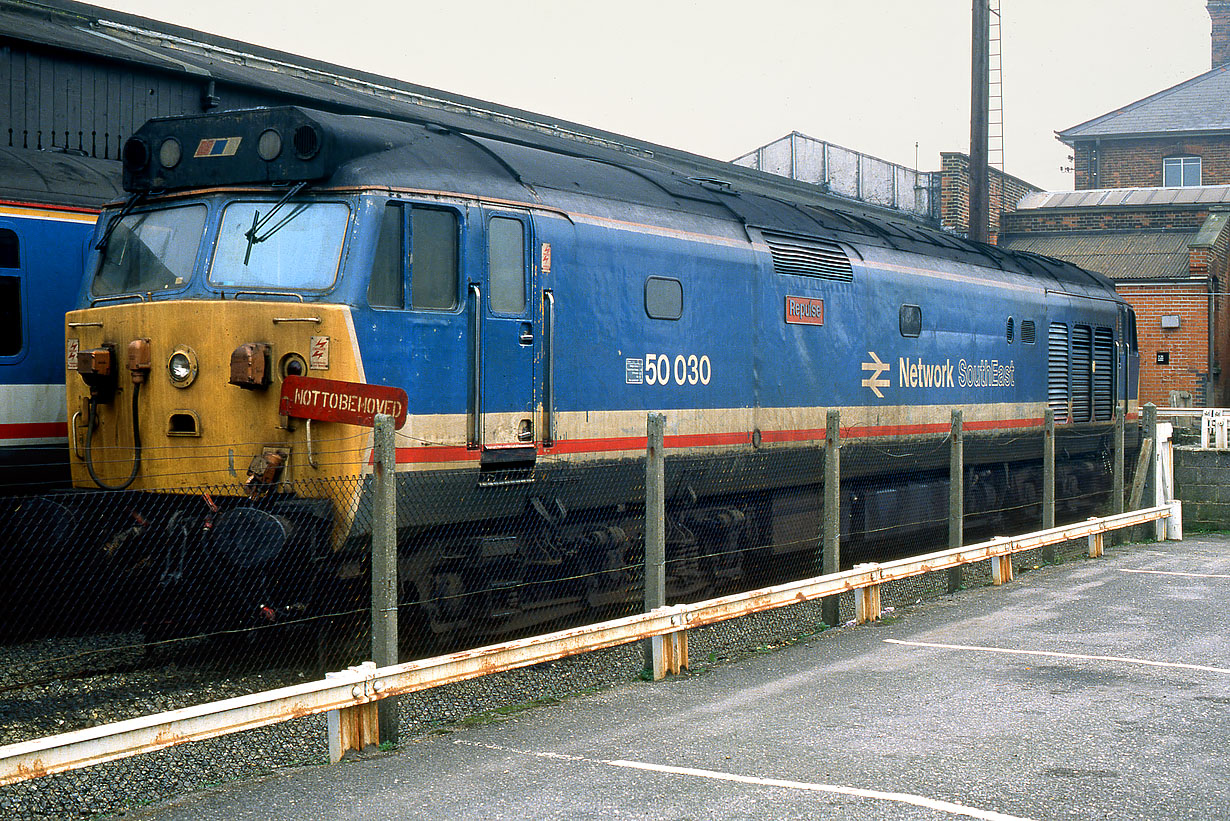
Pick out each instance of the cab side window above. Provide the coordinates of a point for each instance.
(385, 289)
(10, 293)
(419, 245)
(433, 278)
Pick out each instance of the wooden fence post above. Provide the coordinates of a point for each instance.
(669, 653)
(1048, 479)
(1118, 475)
(831, 515)
(655, 513)
(384, 565)
(374, 722)
(956, 496)
(1144, 461)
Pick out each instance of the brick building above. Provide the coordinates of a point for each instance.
(1004, 191)
(1151, 211)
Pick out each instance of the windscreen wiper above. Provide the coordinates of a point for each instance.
(101, 245)
(257, 222)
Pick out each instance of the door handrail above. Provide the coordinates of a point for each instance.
(476, 401)
(548, 393)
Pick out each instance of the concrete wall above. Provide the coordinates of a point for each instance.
(1202, 481)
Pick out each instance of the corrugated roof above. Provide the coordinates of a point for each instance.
(1108, 197)
(1196, 105)
(1122, 255)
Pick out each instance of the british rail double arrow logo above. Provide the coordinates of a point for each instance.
(874, 381)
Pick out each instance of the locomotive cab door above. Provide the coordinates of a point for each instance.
(505, 339)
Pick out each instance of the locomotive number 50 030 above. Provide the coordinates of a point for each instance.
(683, 370)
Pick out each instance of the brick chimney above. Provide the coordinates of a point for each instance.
(1219, 13)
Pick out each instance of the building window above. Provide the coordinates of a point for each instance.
(1180, 172)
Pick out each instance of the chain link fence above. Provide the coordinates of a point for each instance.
(120, 604)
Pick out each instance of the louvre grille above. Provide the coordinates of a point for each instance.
(1082, 373)
(815, 258)
(1028, 333)
(1057, 371)
(1103, 374)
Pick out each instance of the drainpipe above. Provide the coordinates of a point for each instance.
(1211, 399)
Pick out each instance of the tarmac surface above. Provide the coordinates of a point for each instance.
(1095, 689)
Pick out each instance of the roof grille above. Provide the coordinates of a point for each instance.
(812, 258)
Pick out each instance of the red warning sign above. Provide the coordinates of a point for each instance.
(330, 400)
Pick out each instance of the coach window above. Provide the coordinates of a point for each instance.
(663, 298)
(506, 265)
(10, 294)
(910, 319)
(429, 252)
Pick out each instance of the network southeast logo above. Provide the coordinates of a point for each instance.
(876, 367)
(917, 372)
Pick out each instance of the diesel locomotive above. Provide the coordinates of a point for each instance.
(529, 300)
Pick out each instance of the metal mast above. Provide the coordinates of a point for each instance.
(979, 116)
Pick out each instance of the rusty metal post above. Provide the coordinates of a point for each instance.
(384, 564)
(956, 495)
(655, 522)
(830, 561)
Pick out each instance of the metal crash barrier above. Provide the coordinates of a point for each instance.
(352, 696)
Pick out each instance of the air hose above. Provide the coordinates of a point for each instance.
(136, 442)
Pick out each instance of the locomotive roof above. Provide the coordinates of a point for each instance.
(350, 151)
(57, 178)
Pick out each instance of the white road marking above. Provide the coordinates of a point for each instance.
(902, 798)
(1051, 654)
(1177, 573)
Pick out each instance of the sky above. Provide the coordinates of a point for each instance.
(889, 78)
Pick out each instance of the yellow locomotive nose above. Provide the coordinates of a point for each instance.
(215, 407)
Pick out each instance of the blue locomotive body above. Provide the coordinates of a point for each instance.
(535, 297)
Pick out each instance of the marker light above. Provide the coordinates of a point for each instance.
(170, 153)
(269, 145)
